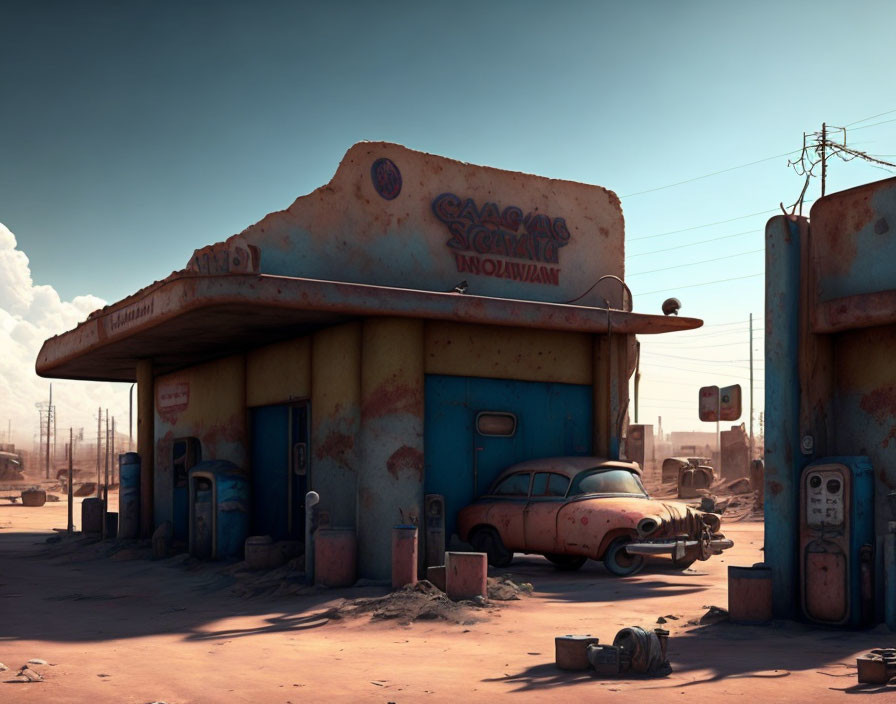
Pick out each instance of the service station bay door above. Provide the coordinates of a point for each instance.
(551, 420)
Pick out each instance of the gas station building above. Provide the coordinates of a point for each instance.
(410, 328)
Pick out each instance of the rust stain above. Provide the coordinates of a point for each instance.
(406, 459)
(890, 436)
(335, 446)
(836, 222)
(880, 404)
(775, 488)
(391, 398)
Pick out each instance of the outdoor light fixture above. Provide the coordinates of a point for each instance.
(671, 306)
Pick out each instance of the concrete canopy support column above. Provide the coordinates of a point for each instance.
(613, 365)
(783, 460)
(146, 444)
(601, 397)
(390, 478)
(336, 420)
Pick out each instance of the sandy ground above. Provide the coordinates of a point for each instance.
(128, 629)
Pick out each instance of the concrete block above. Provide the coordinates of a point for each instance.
(750, 594)
(436, 575)
(465, 575)
(571, 652)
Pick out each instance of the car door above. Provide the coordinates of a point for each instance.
(509, 499)
(547, 496)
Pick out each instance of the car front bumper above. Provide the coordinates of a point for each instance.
(678, 549)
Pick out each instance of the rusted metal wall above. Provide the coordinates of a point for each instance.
(396, 217)
(390, 480)
(279, 373)
(457, 349)
(207, 402)
(336, 420)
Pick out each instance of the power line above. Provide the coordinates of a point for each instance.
(705, 283)
(882, 122)
(702, 261)
(697, 227)
(694, 244)
(864, 119)
(714, 173)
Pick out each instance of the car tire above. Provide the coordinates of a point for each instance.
(488, 541)
(620, 563)
(566, 563)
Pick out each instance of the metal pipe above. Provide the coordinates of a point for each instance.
(49, 418)
(106, 478)
(131, 418)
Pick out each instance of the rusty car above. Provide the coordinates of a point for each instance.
(570, 509)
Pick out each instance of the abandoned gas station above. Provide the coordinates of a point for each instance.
(410, 328)
(830, 494)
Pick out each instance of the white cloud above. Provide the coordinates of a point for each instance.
(29, 314)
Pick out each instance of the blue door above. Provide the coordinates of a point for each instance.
(279, 479)
(463, 457)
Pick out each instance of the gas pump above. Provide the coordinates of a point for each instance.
(836, 541)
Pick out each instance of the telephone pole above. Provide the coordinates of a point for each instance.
(751, 386)
(824, 166)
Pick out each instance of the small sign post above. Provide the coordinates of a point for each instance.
(717, 404)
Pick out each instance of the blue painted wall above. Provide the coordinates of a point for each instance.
(552, 419)
(783, 460)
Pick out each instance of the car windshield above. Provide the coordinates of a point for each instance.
(607, 481)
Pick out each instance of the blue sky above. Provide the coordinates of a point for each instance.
(132, 133)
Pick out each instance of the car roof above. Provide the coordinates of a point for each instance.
(569, 466)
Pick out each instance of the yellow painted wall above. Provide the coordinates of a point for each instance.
(460, 349)
(279, 373)
(336, 419)
(214, 412)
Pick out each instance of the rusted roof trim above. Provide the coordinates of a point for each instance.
(864, 310)
(183, 293)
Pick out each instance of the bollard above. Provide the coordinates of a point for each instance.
(465, 575)
(336, 557)
(312, 498)
(750, 594)
(404, 556)
(92, 515)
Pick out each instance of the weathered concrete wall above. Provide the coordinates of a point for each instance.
(395, 217)
(457, 349)
(390, 480)
(207, 402)
(336, 420)
(279, 373)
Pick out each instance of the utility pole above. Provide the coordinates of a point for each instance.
(49, 420)
(751, 386)
(824, 166)
(71, 452)
(99, 447)
(106, 478)
(112, 451)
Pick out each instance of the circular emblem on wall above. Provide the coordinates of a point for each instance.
(386, 178)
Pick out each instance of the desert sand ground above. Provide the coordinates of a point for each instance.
(115, 626)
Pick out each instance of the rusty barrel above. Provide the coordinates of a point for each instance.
(404, 555)
(750, 594)
(336, 557)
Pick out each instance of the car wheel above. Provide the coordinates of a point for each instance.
(488, 541)
(566, 563)
(619, 562)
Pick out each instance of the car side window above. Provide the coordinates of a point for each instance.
(514, 485)
(558, 485)
(549, 484)
(540, 484)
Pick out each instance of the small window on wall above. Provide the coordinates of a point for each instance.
(187, 452)
(496, 424)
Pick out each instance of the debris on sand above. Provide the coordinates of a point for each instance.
(3, 668)
(26, 674)
(503, 588)
(421, 601)
(714, 614)
(739, 486)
